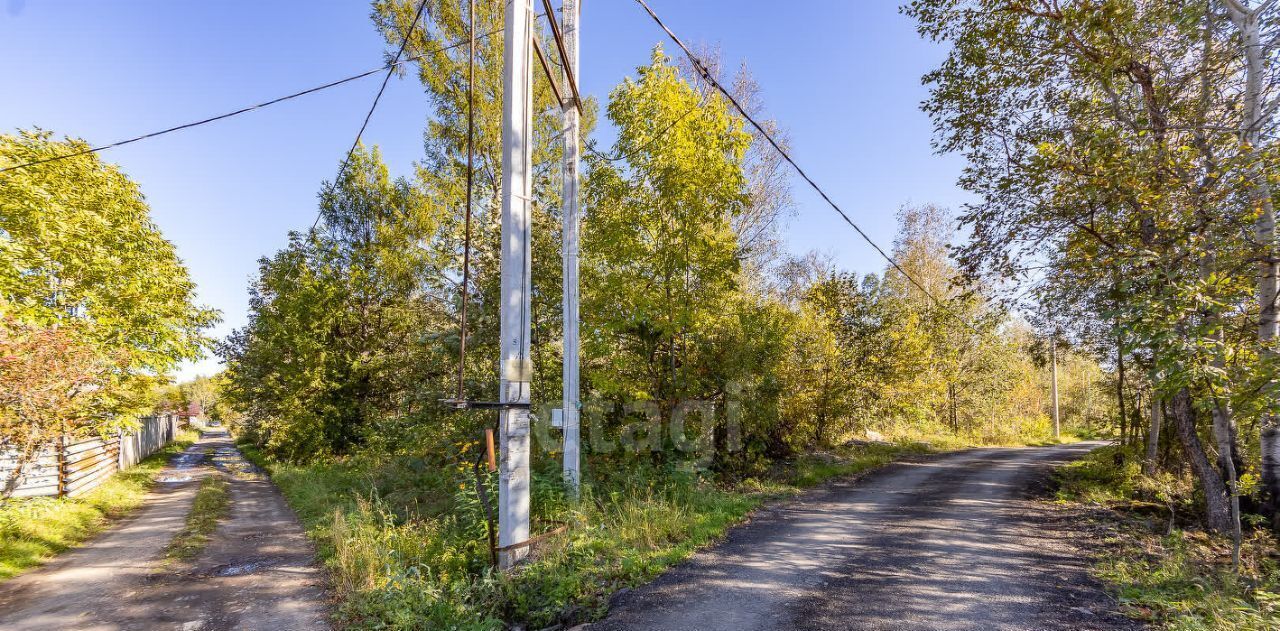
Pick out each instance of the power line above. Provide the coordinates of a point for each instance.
(466, 247)
(391, 69)
(710, 79)
(243, 110)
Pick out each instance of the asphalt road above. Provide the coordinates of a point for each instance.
(948, 543)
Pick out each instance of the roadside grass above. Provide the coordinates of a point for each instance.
(1064, 438)
(811, 470)
(34, 530)
(404, 540)
(211, 503)
(939, 440)
(1109, 476)
(1184, 581)
(1163, 573)
(406, 547)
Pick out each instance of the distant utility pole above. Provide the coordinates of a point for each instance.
(515, 369)
(1053, 360)
(955, 419)
(572, 404)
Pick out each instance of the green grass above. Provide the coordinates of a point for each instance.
(406, 548)
(1107, 475)
(811, 469)
(1184, 581)
(1173, 578)
(211, 503)
(404, 538)
(34, 530)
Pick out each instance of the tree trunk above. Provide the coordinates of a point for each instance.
(1124, 425)
(1248, 22)
(1216, 504)
(1222, 433)
(1270, 437)
(955, 423)
(1153, 437)
(1135, 420)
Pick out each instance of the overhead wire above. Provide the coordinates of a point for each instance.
(391, 69)
(707, 76)
(464, 295)
(243, 110)
(470, 42)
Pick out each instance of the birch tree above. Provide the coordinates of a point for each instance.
(1256, 29)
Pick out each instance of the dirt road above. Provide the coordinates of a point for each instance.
(950, 543)
(257, 572)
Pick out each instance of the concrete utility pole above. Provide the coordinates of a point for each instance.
(572, 405)
(515, 369)
(1053, 355)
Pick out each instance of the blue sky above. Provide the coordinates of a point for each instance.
(843, 76)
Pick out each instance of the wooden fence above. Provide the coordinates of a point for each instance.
(76, 466)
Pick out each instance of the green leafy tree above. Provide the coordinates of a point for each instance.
(660, 256)
(339, 348)
(78, 249)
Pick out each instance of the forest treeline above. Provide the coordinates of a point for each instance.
(1123, 158)
(687, 294)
